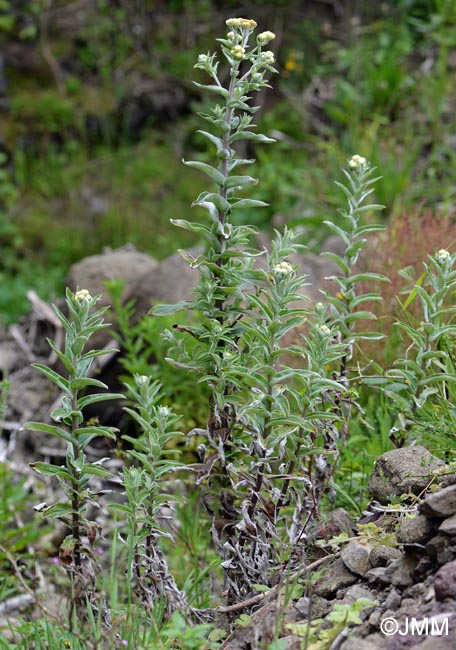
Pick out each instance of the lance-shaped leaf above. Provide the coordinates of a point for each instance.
(52, 429)
(60, 381)
(223, 92)
(52, 470)
(167, 310)
(210, 171)
(240, 181)
(250, 135)
(213, 138)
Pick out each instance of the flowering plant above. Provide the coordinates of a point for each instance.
(279, 399)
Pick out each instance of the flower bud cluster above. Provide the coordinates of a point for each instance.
(357, 162)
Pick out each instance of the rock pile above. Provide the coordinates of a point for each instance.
(408, 568)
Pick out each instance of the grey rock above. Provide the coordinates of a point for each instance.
(171, 281)
(378, 576)
(371, 642)
(441, 503)
(357, 591)
(401, 471)
(449, 526)
(382, 555)
(355, 556)
(124, 264)
(302, 606)
(445, 582)
(393, 600)
(415, 530)
(336, 577)
(400, 572)
(439, 549)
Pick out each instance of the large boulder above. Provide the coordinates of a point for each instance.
(402, 471)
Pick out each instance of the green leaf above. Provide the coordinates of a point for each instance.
(339, 231)
(210, 171)
(60, 381)
(240, 181)
(167, 310)
(213, 138)
(249, 203)
(95, 470)
(249, 135)
(361, 277)
(91, 399)
(52, 470)
(84, 382)
(338, 260)
(58, 510)
(52, 429)
(223, 92)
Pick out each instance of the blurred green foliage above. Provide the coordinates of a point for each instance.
(99, 109)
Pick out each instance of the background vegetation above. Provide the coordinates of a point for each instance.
(98, 108)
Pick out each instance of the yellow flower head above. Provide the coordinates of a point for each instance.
(265, 37)
(243, 23)
(238, 52)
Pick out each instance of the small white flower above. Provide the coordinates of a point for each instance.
(356, 162)
(202, 58)
(231, 36)
(83, 295)
(238, 51)
(141, 380)
(227, 354)
(443, 255)
(265, 37)
(283, 268)
(164, 411)
(324, 329)
(268, 57)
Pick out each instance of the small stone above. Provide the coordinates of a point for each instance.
(440, 504)
(438, 548)
(383, 555)
(400, 572)
(449, 526)
(302, 606)
(336, 577)
(401, 471)
(371, 642)
(355, 556)
(393, 600)
(379, 576)
(355, 592)
(445, 582)
(415, 530)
